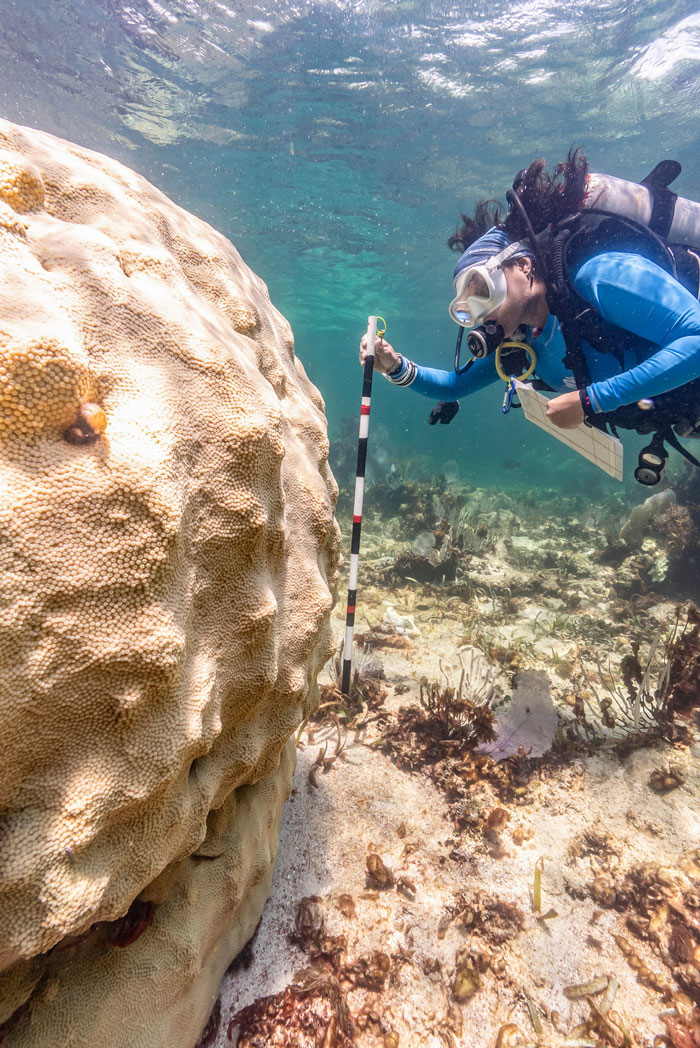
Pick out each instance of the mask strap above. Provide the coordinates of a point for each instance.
(496, 261)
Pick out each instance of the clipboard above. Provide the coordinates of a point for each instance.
(599, 448)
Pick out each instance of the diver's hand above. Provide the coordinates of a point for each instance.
(565, 411)
(385, 356)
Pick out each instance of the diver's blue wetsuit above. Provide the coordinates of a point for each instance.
(628, 291)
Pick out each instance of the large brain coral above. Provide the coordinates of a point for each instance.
(168, 560)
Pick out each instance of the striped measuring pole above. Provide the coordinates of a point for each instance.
(357, 507)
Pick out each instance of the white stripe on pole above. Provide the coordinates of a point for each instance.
(354, 562)
(359, 496)
(348, 640)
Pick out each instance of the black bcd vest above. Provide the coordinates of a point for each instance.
(563, 248)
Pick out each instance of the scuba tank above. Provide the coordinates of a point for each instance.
(666, 227)
(649, 203)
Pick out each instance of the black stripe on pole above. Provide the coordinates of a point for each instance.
(367, 377)
(361, 456)
(345, 684)
(355, 540)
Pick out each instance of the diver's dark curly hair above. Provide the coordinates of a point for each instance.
(546, 198)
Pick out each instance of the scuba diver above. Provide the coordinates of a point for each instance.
(588, 287)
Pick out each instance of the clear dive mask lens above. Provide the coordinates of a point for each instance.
(479, 292)
(480, 289)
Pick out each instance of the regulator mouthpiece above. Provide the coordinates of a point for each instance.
(485, 339)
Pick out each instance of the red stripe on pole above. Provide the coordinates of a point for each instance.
(364, 410)
(357, 519)
(351, 609)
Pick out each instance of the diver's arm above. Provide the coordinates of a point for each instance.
(639, 296)
(445, 385)
(671, 367)
(430, 382)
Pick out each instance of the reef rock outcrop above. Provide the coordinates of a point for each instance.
(168, 561)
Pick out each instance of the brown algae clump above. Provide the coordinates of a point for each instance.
(89, 425)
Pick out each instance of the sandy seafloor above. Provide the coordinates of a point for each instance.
(536, 589)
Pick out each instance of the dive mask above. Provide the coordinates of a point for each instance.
(481, 288)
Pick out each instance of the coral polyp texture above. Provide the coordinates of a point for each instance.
(168, 562)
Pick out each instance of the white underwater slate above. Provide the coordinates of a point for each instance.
(599, 448)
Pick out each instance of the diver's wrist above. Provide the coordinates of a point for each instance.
(595, 400)
(588, 408)
(404, 374)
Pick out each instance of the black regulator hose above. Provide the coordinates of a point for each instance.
(516, 203)
(558, 274)
(464, 367)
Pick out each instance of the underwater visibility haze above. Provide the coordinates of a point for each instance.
(337, 141)
(492, 839)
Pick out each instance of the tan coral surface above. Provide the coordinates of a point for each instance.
(166, 574)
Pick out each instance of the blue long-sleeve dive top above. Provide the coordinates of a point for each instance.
(627, 290)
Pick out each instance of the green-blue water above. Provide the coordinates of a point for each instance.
(336, 143)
